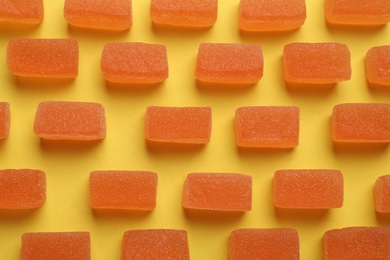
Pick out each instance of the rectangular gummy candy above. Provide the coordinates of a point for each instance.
(229, 63)
(4, 119)
(22, 11)
(190, 125)
(218, 191)
(134, 62)
(361, 123)
(361, 12)
(123, 190)
(275, 15)
(316, 63)
(155, 244)
(56, 245)
(357, 243)
(378, 65)
(273, 243)
(382, 194)
(186, 13)
(308, 189)
(22, 189)
(57, 58)
(267, 126)
(99, 14)
(63, 120)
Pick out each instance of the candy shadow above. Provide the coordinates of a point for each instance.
(123, 87)
(212, 216)
(158, 147)
(305, 87)
(215, 87)
(359, 148)
(43, 83)
(170, 29)
(301, 214)
(267, 34)
(95, 32)
(68, 145)
(17, 29)
(16, 215)
(245, 151)
(383, 218)
(120, 213)
(354, 29)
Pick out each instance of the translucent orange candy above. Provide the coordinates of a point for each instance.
(134, 62)
(361, 12)
(155, 244)
(22, 11)
(218, 191)
(308, 189)
(378, 65)
(56, 245)
(267, 126)
(316, 63)
(22, 189)
(273, 243)
(382, 194)
(357, 243)
(361, 123)
(231, 63)
(99, 14)
(275, 15)
(56, 58)
(123, 190)
(4, 119)
(63, 120)
(188, 13)
(191, 125)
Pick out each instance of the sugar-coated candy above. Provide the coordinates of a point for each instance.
(22, 11)
(4, 119)
(218, 192)
(378, 65)
(382, 194)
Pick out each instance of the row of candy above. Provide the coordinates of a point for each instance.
(276, 15)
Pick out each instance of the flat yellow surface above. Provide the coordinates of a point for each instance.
(67, 166)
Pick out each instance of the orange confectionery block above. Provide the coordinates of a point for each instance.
(382, 194)
(56, 245)
(229, 63)
(50, 58)
(123, 190)
(316, 63)
(308, 189)
(186, 13)
(361, 123)
(378, 66)
(264, 244)
(218, 192)
(267, 126)
(161, 244)
(63, 120)
(4, 120)
(368, 243)
(274, 15)
(22, 189)
(188, 125)
(134, 62)
(115, 15)
(361, 12)
(22, 11)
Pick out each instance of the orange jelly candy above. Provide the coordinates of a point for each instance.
(113, 15)
(155, 244)
(316, 63)
(267, 126)
(361, 12)
(275, 15)
(22, 189)
(357, 243)
(4, 120)
(273, 243)
(56, 58)
(123, 190)
(361, 123)
(191, 125)
(382, 194)
(62, 120)
(378, 65)
(134, 62)
(187, 13)
(22, 11)
(218, 192)
(231, 63)
(56, 245)
(308, 189)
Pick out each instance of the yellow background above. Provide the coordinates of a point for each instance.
(67, 166)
